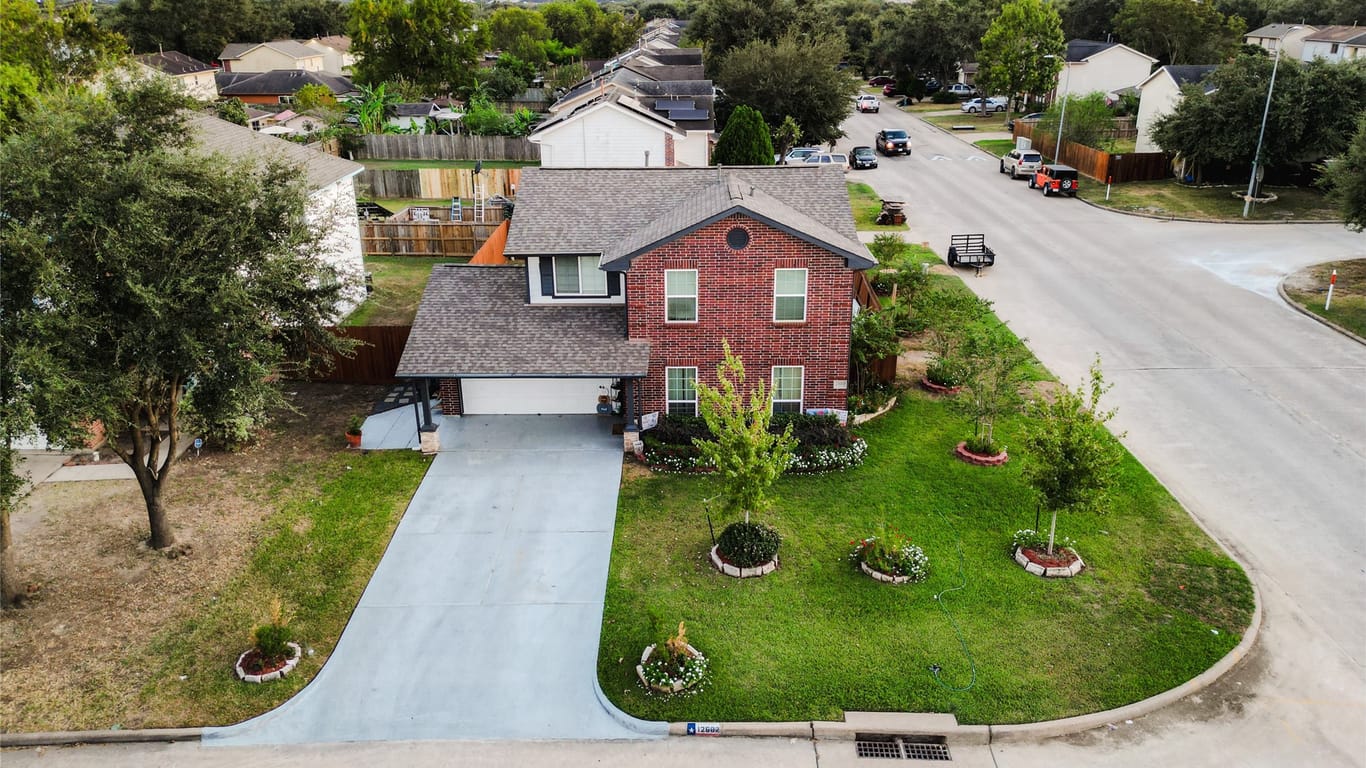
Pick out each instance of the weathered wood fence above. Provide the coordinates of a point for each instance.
(1096, 163)
(443, 147)
(376, 358)
(421, 231)
(438, 183)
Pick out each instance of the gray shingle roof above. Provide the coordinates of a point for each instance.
(1081, 49)
(173, 63)
(588, 210)
(241, 143)
(1339, 34)
(1189, 73)
(475, 321)
(279, 82)
(1276, 30)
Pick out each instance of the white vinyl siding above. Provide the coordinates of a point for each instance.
(579, 276)
(787, 388)
(682, 391)
(789, 295)
(680, 295)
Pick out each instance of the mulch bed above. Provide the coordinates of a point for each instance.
(1061, 558)
(256, 664)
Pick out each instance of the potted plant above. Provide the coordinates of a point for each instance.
(353, 428)
(1071, 465)
(993, 375)
(272, 655)
(673, 667)
(748, 457)
(890, 557)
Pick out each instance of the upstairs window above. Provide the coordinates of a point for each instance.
(789, 295)
(579, 276)
(787, 388)
(680, 295)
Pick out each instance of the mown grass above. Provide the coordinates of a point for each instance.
(866, 205)
(1158, 604)
(995, 121)
(316, 553)
(398, 285)
(1223, 203)
(1349, 295)
(411, 165)
(996, 147)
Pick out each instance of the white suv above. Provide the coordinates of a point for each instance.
(867, 103)
(1021, 162)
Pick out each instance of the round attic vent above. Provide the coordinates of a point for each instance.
(737, 238)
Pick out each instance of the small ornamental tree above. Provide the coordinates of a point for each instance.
(993, 375)
(744, 141)
(1072, 460)
(948, 315)
(747, 456)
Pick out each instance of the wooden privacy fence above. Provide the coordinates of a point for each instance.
(421, 231)
(1096, 163)
(376, 358)
(443, 147)
(439, 183)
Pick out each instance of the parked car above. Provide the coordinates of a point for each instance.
(862, 157)
(1032, 117)
(829, 158)
(1021, 162)
(892, 141)
(961, 90)
(867, 103)
(987, 104)
(1056, 178)
(932, 86)
(799, 154)
(889, 89)
(882, 80)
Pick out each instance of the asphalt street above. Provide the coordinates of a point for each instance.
(1253, 415)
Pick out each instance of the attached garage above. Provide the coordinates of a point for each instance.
(532, 396)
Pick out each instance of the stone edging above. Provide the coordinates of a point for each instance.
(962, 452)
(886, 578)
(863, 418)
(1062, 572)
(675, 687)
(1295, 305)
(938, 389)
(743, 573)
(267, 677)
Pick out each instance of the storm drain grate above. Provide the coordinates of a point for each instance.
(902, 747)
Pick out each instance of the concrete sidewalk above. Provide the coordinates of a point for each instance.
(482, 619)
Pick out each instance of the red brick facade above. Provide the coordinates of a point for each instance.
(669, 158)
(735, 302)
(448, 391)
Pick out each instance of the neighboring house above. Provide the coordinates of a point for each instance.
(624, 282)
(1159, 95)
(413, 117)
(332, 197)
(616, 131)
(1287, 37)
(1336, 43)
(279, 86)
(264, 57)
(336, 51)
(257, 118)
(291, 123)
(192, 76)
(1092, 65)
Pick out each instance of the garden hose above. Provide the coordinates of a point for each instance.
(938, 598)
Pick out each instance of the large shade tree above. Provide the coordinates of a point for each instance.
(1021, 52)
(723, 26)
(159, 283)
(197, 28)
(795, 76)
(433, 43)
(1179, 31)
(929, 37)
(1345, 179)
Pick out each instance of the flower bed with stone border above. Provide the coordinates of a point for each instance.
(275, 674)
(762, 569)
(962, 452)
(1069, 563)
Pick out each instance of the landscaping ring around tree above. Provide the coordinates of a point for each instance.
(252, 667)
(981, 460)
(664, 676)
(762, 569)
(1064, 563)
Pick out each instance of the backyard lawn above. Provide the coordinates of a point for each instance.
(1158, 603)
(399, 282)
(867, 204)
(1222, 203)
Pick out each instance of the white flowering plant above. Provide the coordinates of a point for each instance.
(1028, 538)
(675, 663)
(893, 554)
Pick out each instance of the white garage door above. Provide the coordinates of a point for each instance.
(532, 395)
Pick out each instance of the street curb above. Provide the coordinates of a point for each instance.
(62, 738)
(1280, 289)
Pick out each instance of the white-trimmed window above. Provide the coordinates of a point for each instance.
(579, 276)
(682, 391)
(789, 295)
(787, 388)
(680, 295)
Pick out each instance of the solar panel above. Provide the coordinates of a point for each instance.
(674, 104)
(689, 114)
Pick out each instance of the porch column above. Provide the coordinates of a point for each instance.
(428, 439)
(629, 404)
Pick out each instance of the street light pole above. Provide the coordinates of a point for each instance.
(1257, 155)
(1062, 118)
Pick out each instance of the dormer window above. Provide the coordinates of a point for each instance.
(579, 276)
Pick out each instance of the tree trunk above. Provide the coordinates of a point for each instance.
(1052, 528)
(156, 518)
(9, 583)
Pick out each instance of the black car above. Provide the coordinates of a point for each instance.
(862, 157)
(893, 141)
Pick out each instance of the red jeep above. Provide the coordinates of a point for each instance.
(1056, 178)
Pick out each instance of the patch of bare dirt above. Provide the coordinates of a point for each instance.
(99, 593)
(1314, 279)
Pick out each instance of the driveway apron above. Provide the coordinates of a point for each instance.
(482, 618)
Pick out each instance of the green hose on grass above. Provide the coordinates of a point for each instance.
(938, 599)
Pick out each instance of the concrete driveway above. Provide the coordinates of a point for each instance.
(482, 618)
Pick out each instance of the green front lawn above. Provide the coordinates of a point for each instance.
(996, 147)
(399, 282)
(996, 121)
(1158, 604)
(867, 204)
(412, 165)
(1169, 198)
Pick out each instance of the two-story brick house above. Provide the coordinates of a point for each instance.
(625, 281)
